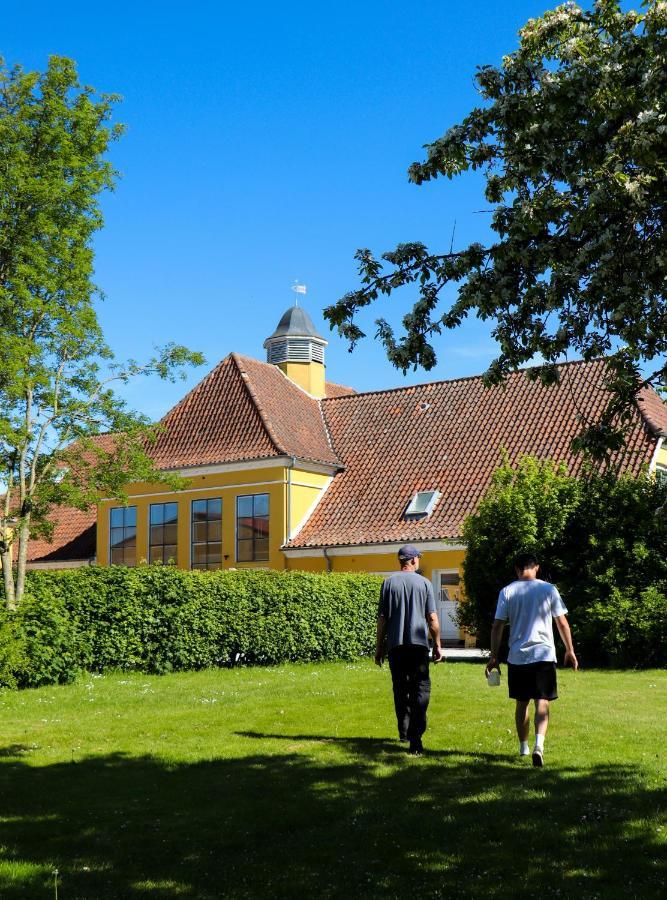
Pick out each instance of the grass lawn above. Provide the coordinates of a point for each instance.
(288, 781)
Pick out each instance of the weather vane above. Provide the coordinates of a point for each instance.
(298, 289)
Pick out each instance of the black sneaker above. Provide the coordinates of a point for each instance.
(416, 747)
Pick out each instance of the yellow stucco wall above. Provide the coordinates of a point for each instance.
(305, 490)
(226, 485)
(381, 563)
(292, 494)
(308, 375)
(661, 458)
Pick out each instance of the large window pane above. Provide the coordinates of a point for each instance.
(123, 535)
(244, 507)
(244, 552)
(170, 513)
(157, 513)
(252, 528)
(244, 529)
(169, 553)
(199, 554)
(117, 518)
(206, 533)
(161, 535)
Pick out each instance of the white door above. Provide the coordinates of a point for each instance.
(446, 589)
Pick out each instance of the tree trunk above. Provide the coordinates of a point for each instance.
(24, 537)
(8, 578)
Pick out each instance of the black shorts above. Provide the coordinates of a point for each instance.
(533, 681)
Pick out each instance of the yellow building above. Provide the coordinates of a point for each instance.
(285, 470)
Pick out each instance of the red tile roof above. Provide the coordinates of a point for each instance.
(654, 411)
(74, 537)
(244, 409)
(448, 436)
(337, 390)
(444, 436)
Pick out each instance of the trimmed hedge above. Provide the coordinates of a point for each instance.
(160, 619)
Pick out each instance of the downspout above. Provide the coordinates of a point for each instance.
(325, 554)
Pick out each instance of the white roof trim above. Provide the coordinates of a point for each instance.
(370, 549)
(244, 465)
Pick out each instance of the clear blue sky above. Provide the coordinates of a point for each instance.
(266, 142)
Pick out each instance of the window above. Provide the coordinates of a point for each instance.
(123, 535)
(162, 540)
(252, 528)
(422, 503)
(661, 475)
(207, 534)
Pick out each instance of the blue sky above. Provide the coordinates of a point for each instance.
(265, 143)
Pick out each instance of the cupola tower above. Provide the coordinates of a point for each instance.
(297, 349)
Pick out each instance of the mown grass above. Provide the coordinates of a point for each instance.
(288, 782)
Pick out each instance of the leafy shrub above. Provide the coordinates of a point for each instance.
(626, 629)
(601, 539)
(161, 619)
(13, 661)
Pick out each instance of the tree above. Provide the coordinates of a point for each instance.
(572, 140)
(56, 371)
(600, 538)
(527, 508)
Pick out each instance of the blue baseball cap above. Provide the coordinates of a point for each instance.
(408, 551)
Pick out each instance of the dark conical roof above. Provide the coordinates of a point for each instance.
(295, 322)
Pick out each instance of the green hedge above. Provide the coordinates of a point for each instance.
(160, 619)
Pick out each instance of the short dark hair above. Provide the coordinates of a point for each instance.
(525, 560)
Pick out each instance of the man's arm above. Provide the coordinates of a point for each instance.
(434, 629)
(496, 637)
(566, 636)
(379, 640)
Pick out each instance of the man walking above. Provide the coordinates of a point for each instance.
(530, 605)
(406, 615)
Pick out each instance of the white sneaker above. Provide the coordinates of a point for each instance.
(524, 751)
(538, 757)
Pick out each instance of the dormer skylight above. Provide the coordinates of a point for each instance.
(422, 503)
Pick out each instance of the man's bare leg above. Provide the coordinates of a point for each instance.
(522, 725)
(541, 725)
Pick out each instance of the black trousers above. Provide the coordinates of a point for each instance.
(412, 688)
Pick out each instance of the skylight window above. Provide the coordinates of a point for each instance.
(422, 503)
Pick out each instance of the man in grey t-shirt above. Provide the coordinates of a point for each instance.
(406, 615)
(531, 605)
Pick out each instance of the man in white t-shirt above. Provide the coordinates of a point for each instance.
(530, 605)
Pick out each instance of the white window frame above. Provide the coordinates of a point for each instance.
(412, 511)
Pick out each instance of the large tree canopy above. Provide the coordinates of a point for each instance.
(572, 140)
(56, 371)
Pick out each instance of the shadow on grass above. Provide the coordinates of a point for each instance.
(362, 822)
